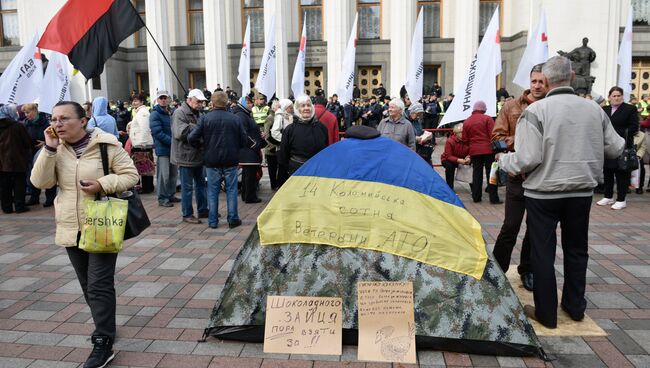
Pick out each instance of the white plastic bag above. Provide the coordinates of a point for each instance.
(464, 173)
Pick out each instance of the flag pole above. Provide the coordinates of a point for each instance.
(159, 48)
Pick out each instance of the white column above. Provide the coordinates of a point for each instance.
(217, 64)
(156, 17)
(338, 16)
(401, 24)
(465, 36)
(282, 11)
(610, 56)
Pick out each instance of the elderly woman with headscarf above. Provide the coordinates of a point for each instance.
(396, 126)
(304, 138)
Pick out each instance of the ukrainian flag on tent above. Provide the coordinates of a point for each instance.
(375, 194)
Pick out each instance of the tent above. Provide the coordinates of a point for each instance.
(373, 210)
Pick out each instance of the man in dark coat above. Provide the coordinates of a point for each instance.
(221, 135)
(250, 155)
(15, 148)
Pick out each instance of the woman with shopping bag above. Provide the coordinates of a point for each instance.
(72, 160)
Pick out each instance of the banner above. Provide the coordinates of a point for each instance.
(266, 78)
(244, 76)
(536, 52)
(21, 82)
(298, 80)
(346, 83)
(479, 83)
(415, 77)
(56, 82)
(625, 58)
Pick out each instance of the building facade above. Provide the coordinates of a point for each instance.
(202, 40)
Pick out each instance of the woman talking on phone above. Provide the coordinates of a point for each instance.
(72, 160)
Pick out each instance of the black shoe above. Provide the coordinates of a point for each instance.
(213, 226)
(477, 200)
(496, 202)
(234, 224)
(175, 200)
(32, 201)
(256, 200)
(102, 353)
(166, 204)
(573, 317)
(204, 215)
(629, 191)
(527, 280)
(48, 204)
(639, 190)
(21, 210)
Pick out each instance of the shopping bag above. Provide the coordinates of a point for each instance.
(104, 225)
(464, 173)
(634, 178)
(494, 173)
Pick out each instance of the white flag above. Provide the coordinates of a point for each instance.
(346, 83)
(536, 52)
(298, 80)
(266, 78)
(56, 82)
(21, 82)
(480, 82)
(415, 78)
(244, 76)
(625, 58)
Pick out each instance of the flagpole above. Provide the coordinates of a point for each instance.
(159, 48)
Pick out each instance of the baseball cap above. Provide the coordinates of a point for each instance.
(197, 93)
(161, 93)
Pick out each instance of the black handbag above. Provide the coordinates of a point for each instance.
(628, 161)
(136, 218)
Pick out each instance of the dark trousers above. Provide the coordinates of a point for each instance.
(283, 174)
(480, 163)
(272, 162)
(12, 191)
(542, 220)
(96, 275)
(622, 183)
(514, 214)
(450, 173)
(249, 183)
(642, 174)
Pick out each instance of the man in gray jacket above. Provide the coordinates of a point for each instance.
(560, 142)
(188, 158)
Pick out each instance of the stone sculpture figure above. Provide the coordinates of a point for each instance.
(581, 58)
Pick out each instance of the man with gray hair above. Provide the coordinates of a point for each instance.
(559, 146)
(396, 126)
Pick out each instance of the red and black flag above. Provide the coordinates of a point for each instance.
(89, 32)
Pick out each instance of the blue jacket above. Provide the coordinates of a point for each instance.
(160, 123)
(101, 119)
(221, 135)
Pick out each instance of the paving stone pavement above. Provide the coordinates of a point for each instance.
(168, 280)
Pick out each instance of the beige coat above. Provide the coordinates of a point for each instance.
(139, 130)
(62, 168)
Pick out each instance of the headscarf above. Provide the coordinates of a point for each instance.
(302, 100)
(9, 111)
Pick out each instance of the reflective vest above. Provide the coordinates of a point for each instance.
(644, 105)
(441, 105)
(260, 114)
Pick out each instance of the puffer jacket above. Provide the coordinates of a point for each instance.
(62, 168)
(139, 130)
(184, 120)
(160, 122)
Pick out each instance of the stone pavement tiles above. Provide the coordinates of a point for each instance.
(169, 278)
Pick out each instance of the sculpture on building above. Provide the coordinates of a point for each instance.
(581, 58)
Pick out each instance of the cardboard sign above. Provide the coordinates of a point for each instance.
(303, 325)
(386, 321)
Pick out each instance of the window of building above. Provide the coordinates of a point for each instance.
(641, 12)
(97, 83)
(432, 74)
(141, 35)
(313, 11)
(431, 18)
(255, 10)
(197, 79)
(369, 26)
(142, 81)
(195, 21)
(485, 12)
(9, 23)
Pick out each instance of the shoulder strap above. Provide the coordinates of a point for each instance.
(103, 149)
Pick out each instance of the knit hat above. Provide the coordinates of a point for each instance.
(415, 108)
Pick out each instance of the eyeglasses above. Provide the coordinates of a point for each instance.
(63, 120)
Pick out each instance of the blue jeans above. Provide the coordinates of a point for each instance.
(166, 174)
(229, 176)
(192, 180)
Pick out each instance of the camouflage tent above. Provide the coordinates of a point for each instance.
(454, 311)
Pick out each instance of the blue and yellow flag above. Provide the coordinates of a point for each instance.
(375, 194)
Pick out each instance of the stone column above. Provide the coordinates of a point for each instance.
(338, 16)
(465, 37)
(159, 71)
(403, 15)
(217, 64)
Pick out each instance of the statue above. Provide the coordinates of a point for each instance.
(581, 58)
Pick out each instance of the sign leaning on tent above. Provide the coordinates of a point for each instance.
(479, 83)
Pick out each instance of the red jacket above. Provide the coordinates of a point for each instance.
(477, 132)
(454, 149)
(329, 120)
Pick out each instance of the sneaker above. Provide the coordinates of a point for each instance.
(619, 205)
(234, 224)
(102, 353)
(605, 202)
(175, 200)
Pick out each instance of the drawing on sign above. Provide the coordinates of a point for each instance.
(394, 348)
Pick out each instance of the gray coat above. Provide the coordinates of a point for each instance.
(182, 153)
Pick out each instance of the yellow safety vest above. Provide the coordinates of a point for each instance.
(260, 114)
(441, 104)
(644, 105)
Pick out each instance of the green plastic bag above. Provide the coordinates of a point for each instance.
(104, 225)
